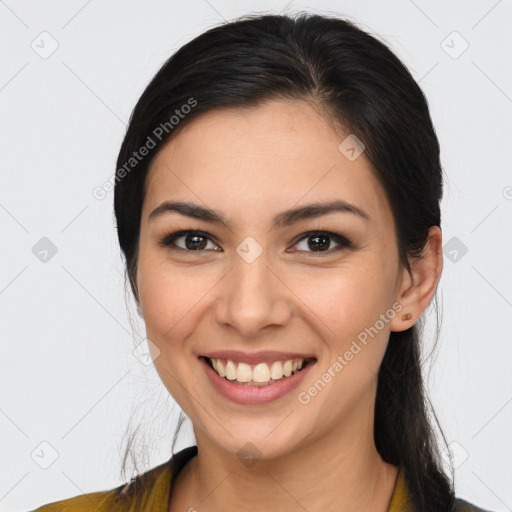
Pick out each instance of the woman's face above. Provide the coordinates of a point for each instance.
(261, 283)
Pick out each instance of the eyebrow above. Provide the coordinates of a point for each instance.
(286, 218)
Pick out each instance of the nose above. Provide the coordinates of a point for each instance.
(252, 298)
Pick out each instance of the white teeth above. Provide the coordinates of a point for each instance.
(277, 370)
(243, 373)
(287, 368)
(230, 370)
(220, 368)
(259, 374)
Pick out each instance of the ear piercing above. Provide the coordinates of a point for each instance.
(406, 317)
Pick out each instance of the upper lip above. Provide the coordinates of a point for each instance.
(266, 356)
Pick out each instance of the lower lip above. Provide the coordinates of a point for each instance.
(251, 395)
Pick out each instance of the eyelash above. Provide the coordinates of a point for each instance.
(343, 242)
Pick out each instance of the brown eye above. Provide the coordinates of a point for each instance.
(195, 242)
(320, 241)
(188, 241)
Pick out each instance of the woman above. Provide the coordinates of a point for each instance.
(278, 205)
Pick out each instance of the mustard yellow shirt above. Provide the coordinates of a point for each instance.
(151, 492)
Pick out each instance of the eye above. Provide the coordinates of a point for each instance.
(321, 241)
(197, 241)
(191, 240)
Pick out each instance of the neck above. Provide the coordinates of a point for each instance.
(337, 471)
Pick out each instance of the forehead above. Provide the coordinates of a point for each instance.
(263, 159)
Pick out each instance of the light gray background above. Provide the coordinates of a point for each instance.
(69, 377)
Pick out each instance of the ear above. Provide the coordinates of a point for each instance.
(417, 288)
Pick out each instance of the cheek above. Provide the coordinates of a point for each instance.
(172, 304)
(350, 301)
(172, 298)
(346, 299)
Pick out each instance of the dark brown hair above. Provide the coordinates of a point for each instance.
(364, 87)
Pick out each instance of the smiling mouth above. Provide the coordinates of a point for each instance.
(258, 375)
